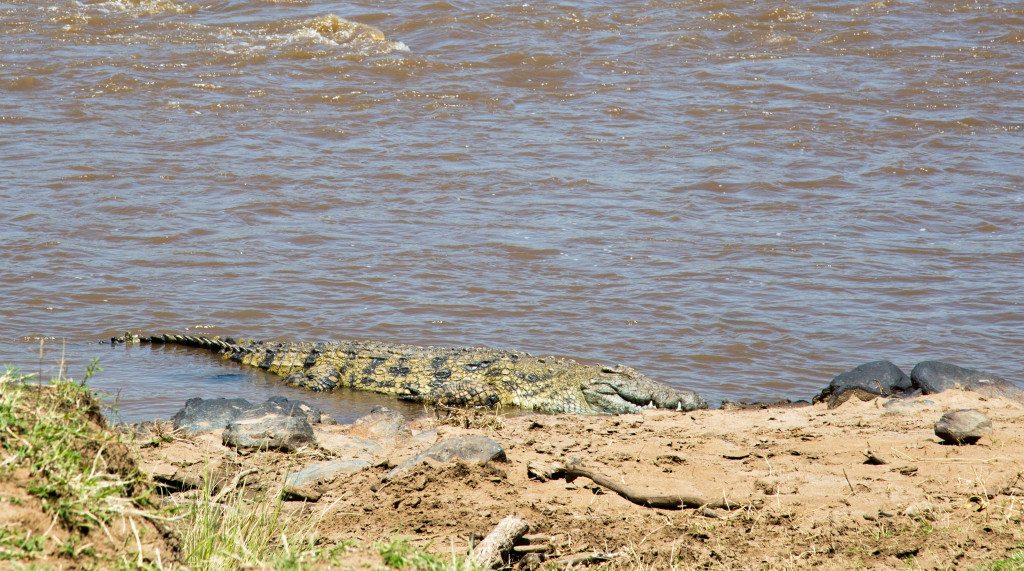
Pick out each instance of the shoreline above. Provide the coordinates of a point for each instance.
(866, 483)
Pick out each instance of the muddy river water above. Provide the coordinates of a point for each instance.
(743, 198)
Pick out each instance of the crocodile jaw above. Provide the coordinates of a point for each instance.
(621, 390)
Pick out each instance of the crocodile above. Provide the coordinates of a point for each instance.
(448, 376)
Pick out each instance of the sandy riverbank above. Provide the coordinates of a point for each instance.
(867, 484)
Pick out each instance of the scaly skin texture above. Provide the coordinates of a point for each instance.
(449, 376)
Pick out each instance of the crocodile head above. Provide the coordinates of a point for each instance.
(620, 390)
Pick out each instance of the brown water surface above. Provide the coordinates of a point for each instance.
(744, 198)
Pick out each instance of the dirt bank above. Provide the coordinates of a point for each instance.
(865, 485)
(71, 494)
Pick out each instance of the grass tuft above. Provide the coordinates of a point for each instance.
(400, 554)
(15, 545)
(55, 446)
(55, 431)
(1012, 562)
(249, 529)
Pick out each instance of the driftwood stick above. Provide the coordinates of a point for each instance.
(574, 468)
(488, 553)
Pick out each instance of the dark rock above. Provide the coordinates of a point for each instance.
(281, 405)
(205, 415)
(935, 376)
(965, 426)
(262, 430)
(878, 378)
(474, 449)
(307, 484)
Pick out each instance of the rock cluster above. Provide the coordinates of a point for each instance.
(277, 424)
(883, 378)
(284, 425)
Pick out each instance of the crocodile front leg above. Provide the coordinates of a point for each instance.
(319, 377)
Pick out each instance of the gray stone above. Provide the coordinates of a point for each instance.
(350, 447)
(257, 429)
(936, 376)
(288, 407)
(205, 415)
(307, 484)
(473, 449)
(965, 426)
(881, 378)
(382, 424)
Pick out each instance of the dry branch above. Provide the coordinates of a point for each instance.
(574, 468)
(489, 552)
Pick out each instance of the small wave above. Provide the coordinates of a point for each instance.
(851, 37)
(1011, 38)
(723, 16)
(876, 6)
(333, 30)
(784, 14)
(22, 83)
(775, 39)
(307, 39)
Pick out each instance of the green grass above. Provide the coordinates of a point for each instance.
(55, 445)
(53, 438)
(250, 530)
(51, 430)
(400, 554)
(15, 545)
(1012, 562)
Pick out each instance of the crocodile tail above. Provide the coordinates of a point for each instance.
(210, 343)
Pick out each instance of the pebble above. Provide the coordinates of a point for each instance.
(965, 426)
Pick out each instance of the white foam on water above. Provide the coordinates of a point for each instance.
(330, 31)
(136, 7)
